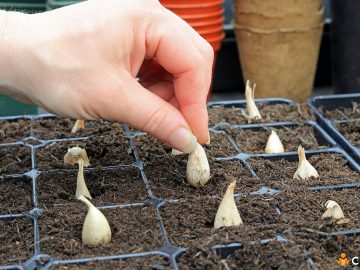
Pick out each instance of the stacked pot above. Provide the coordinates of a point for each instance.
(205, 16)
(278, 43)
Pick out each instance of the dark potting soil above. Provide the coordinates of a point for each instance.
(111, 149)
(59, 128)
(17, 241)
(351, 131)
(116, 186)
(14, 130)
(150, 262)
(167, 174)
(304, 209)
(16, 195)
(15, 159)
(269, 112)
(332, 169)
(134, 229)
(342, 113)
(254, 141)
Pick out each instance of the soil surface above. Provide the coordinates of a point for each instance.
(17, 241)
(332, 169)
(351, 131)
(270, 113)
(15, 195)
(352, 112)
(150, 262)
(118, 186)
(59, 128)
(14, 130)
(254, 140)
(111, 149)
(134, 229)
(15, 159)
(171, 183)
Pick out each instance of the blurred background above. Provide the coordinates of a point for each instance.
(228, 81)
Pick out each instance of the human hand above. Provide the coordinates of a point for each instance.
(82, 61)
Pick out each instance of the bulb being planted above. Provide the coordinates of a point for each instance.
(96, 230)
(198, 169)
(79, 155)
(175, 152)
(79, 124)
(252, 110)
(274, 144)
(305, 170)
(227, 214)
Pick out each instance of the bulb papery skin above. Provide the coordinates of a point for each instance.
(198, 169)
(305, 170)
(252, 110)
(227, 214)
(333, 210)
(81, 188)
(79, 124)
(74, 154)
(96, 229)
(274, 144)
(175, 152)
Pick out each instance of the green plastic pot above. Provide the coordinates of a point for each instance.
(9, 106)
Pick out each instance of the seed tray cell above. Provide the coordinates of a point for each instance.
(271, 110)
(63, 224)
(48, 128)
(113, 186)
(141, 190)
(17, 240)
(14, 130)
(339, 115)
(277, 171)
(251, 139)
(14, 159)
(102, 151)
(16, 187)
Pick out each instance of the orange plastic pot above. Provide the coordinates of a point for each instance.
(186, 2)
(202, 16)
(195, 11)
(209, 22)
(211, 32)
(192, 4)
(216, 28)
(215, 42)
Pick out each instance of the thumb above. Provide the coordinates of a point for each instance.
(147, 112)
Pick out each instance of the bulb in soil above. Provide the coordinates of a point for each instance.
(96, 230)
(175, 152)
(79, 124)
(252, 110)
(227, 214)
(333, 210)
(274, 144)
(305, 170)
(198, 169)
(79, 155)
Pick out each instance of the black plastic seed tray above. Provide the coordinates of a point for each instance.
(29, 217)
(332, 125)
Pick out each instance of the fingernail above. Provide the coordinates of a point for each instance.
(208, 141)
(183, 140)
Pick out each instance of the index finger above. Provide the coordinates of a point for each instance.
(183, 53)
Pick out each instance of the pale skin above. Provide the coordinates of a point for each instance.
(82, 61)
